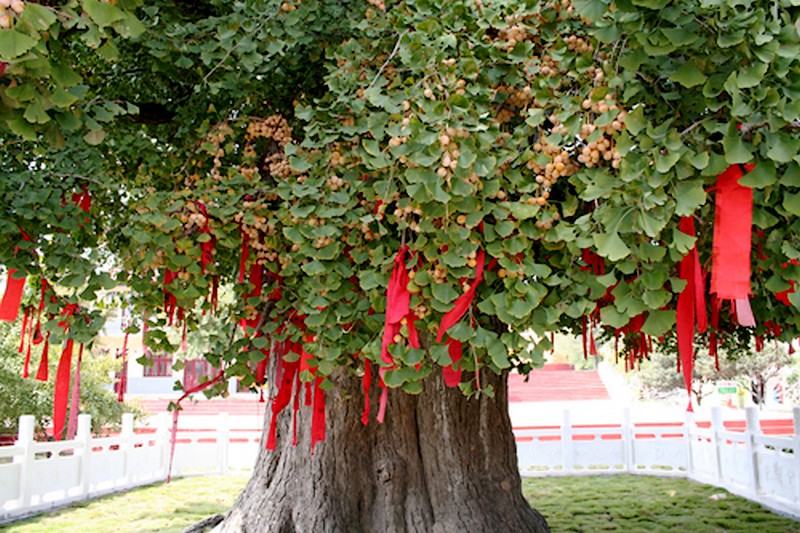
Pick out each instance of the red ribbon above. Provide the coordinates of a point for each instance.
(783, 296)
(451, 374)
(170, 302)
(9, 306)
(730, 272)
(318, 414)
(288, 379)
(75, 398)
(289, 371)
(62, 390)
(398, 303)
(82, 199)
(463, 302)
(123, 377)
(207, 247)
(42, 371)
(176, 411)
(366, 384)
(639, 343)
(691, 307)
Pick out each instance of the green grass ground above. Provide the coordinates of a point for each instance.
(150, 509)
(647, 504)
(571, 504)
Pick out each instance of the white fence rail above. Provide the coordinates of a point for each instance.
(36, 476)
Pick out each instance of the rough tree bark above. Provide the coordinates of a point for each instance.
(440, 463)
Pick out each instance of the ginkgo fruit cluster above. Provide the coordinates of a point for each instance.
(9, 10)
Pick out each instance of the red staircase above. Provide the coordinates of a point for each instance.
(556, 383)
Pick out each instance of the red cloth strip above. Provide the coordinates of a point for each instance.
(175, 412)
(688, 306)
(783, 296)
(123, 376)
(42, 371)
(61, 393)
(207, 247)
(398, 302)
(75, 398)
(451, 375)
(22, 334)
(584, 338)
(214, 293)
(366, 384)
(730, 271)
(382, 401)
(318, 414)
(26, 324)
(463, 302)
(281, 399)
(759, 343)
(298, 387)
(245, 253)
(31, 335)
(9, 306)
(170, 302)
(82, 199)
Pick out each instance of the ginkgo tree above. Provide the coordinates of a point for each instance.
(394, 191)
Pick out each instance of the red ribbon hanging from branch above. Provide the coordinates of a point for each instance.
(122, 384)
(783, 296)
(596, 265)
(83, 200)
(451, 374)
(25, 316)
(398, 303)
(43, 370)
(62, 390)
(366, 383)
(75, 398)
(176, 411)
(730, 271)
(12, 298)
(170, 302)
(691, 307)
(317, 402)
(289, 372)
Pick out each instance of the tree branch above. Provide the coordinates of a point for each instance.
(386, 63)
(230, 51)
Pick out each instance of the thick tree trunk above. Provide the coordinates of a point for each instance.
(440, 463)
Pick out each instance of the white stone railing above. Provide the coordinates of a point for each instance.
(36, 476)
(759, 467)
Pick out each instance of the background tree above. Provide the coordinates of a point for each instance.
(31, 397)
(658, 376)
(394, 191)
